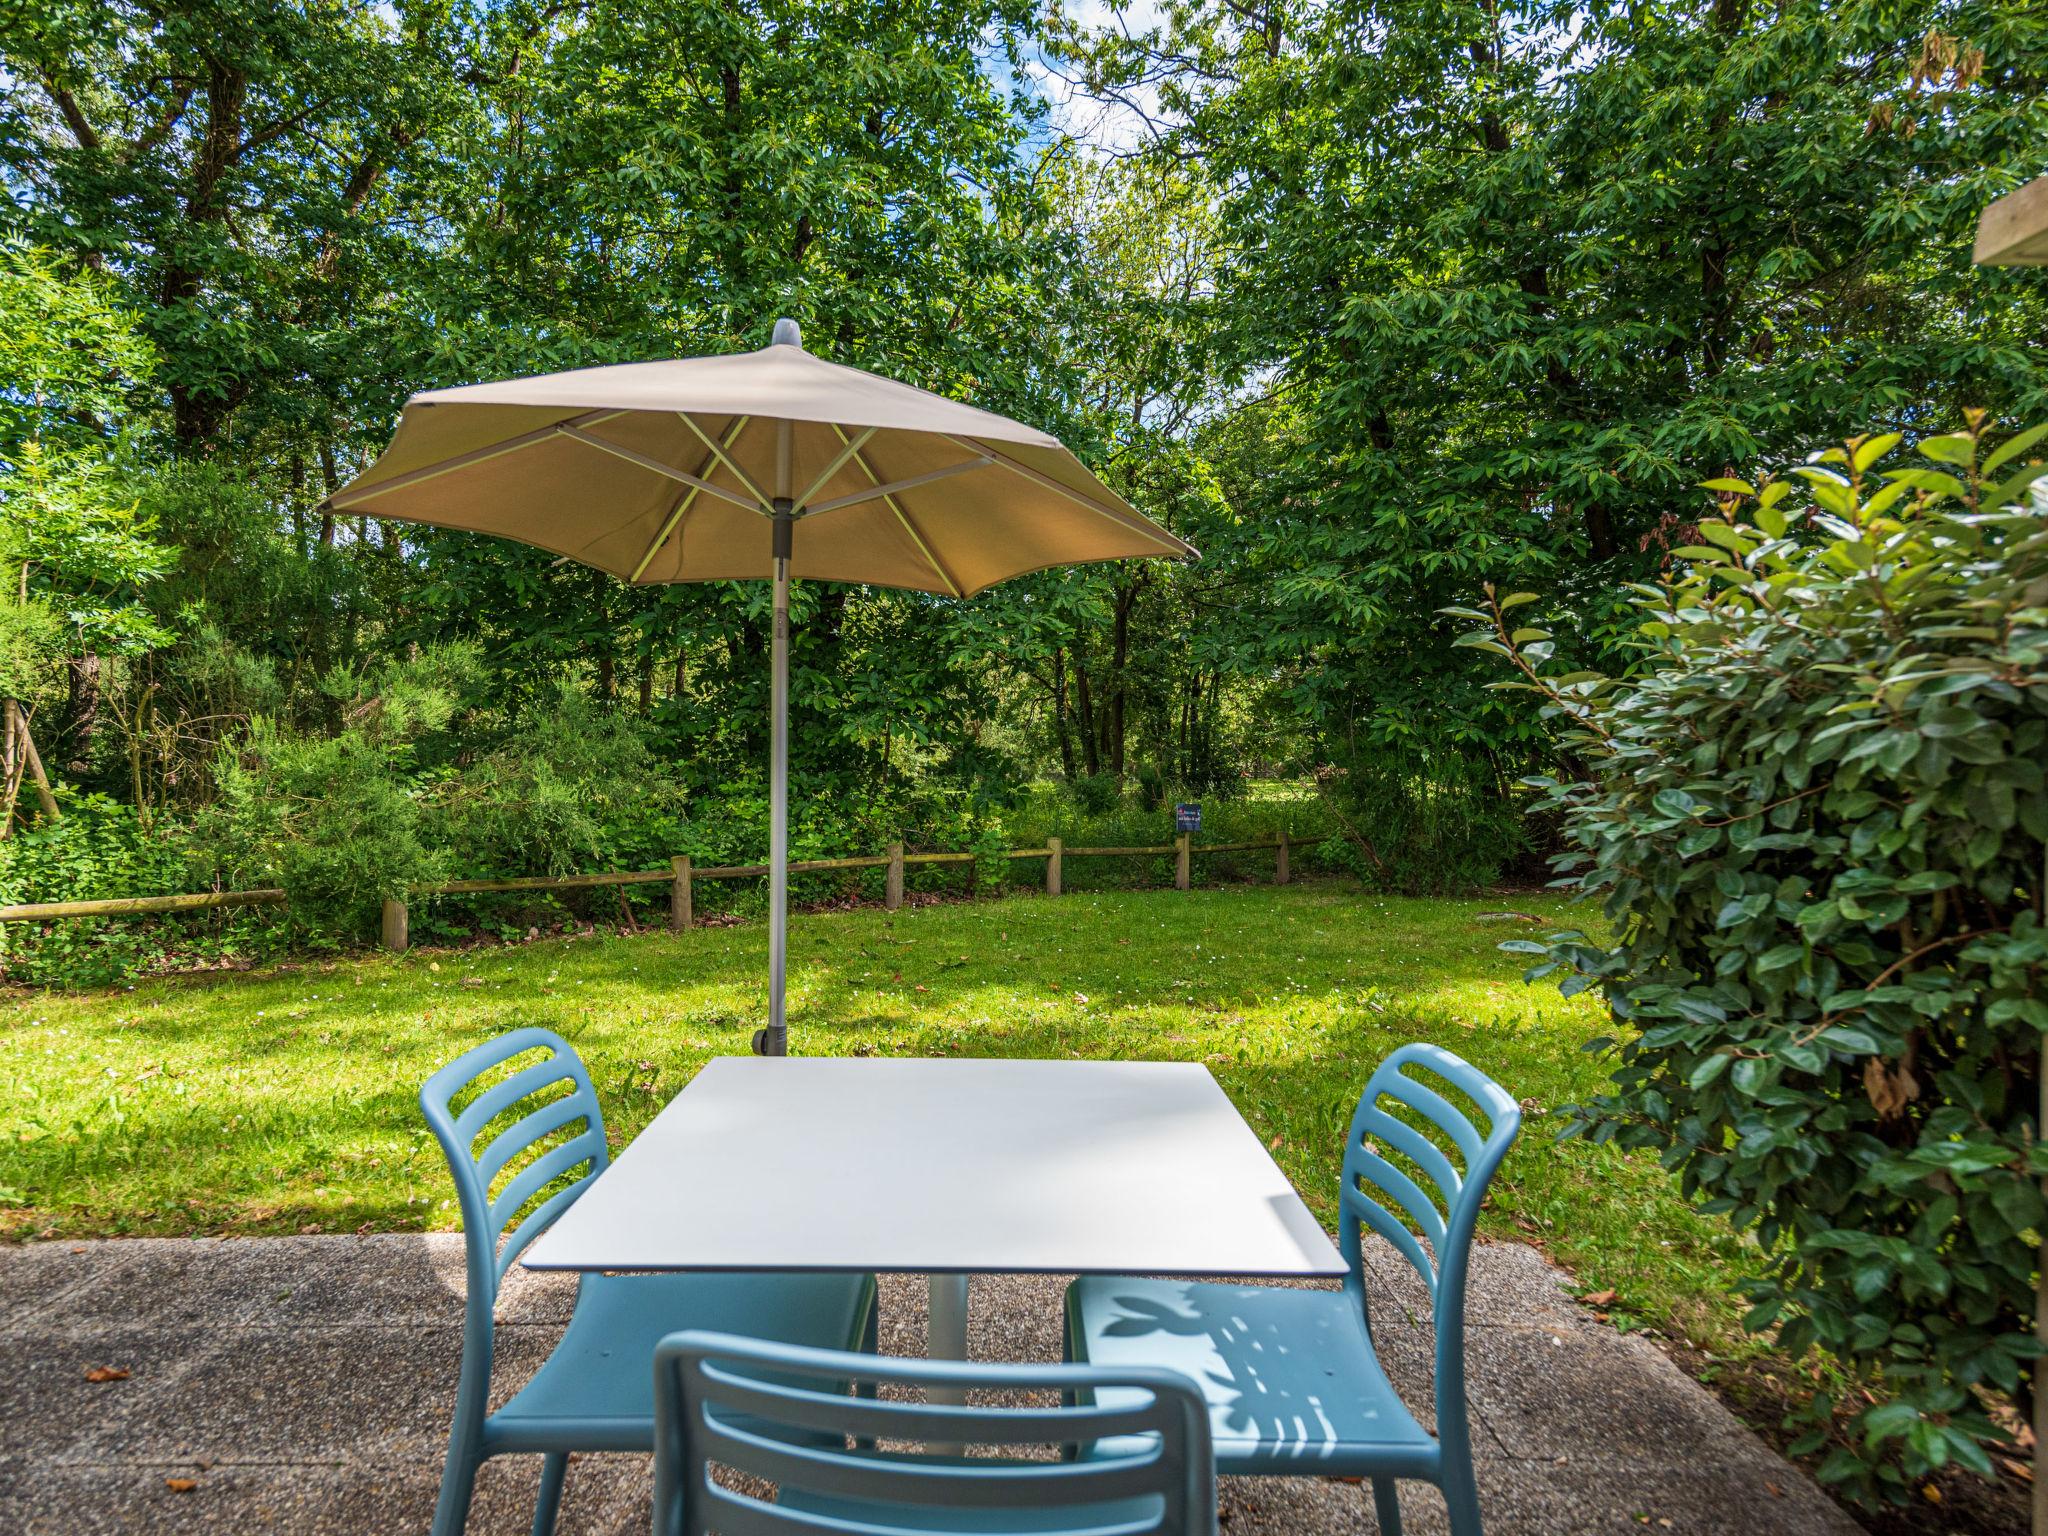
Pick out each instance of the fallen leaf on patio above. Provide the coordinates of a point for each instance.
(101, 1373)
(1774, 1490)
(1597, 1298)
(1600, 1317)
(181, 1484)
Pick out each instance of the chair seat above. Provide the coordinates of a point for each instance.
(1136, 1514)
(1291, 1380)
(596, 1391)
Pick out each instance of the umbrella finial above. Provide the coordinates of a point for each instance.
(787, 335)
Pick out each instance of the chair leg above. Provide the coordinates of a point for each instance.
(1461, 1500)
(552, 1471)
(458, 1485)
(1386, 1503)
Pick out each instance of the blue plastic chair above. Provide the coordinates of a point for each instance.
(592, 1393)
(778, 1416)
(1293, 1383)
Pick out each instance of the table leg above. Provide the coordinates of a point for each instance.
(947, 1338)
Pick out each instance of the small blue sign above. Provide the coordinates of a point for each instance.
(1187, 816)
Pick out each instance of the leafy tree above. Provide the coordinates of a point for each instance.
(75, 550)
(1503, 279)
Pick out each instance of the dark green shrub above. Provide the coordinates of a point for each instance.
(1151, 787)
(1815, 816)
(576, 789)
(1098, 793)
(333, 820)
(1424, 822)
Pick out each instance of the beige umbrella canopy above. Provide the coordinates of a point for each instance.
(661, 472)
(771, 464)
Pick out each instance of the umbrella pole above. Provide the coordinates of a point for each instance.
(776, 1042)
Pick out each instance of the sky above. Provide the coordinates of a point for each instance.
(1101, 125)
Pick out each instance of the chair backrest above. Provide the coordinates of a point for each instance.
(1416, 1169)
(779, 1414)
(548, 1137)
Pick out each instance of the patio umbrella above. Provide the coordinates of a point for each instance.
(701, 469)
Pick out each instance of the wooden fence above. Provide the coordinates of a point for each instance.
(681, 878)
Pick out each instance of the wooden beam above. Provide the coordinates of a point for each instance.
(2013, 232)
(136, 906)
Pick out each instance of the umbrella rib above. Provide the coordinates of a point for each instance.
(909, 527)
(1175, 545)
(897, 485)
(847, 450)
(682, 508)
(631, 456)
(342, 501)
(719, 454)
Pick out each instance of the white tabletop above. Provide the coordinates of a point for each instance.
(971, 1166)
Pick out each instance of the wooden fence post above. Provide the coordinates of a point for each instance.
(892, 885)
(395, 936)
(1052, 866)
(681, 899)
(1280, 870)
(1180, 860)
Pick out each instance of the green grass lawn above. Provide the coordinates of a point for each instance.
(283, 1101)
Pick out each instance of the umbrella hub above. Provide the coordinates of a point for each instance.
(787, 335)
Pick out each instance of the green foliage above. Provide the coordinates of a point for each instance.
(1425, 823)
(330, 819)
(1815, 814)
(1498, 277)
(76, 551)
(1098, 793)
(98, 849)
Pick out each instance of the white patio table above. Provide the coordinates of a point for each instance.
(948, 1168)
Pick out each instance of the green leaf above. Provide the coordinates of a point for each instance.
(1872, 449)
(1950, 448)
(1741, 486)
(2011, 448)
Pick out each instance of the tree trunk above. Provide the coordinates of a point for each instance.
(81, 710)
(1084, 709)
(1059, 711)
(647, 683)
(1119, 660)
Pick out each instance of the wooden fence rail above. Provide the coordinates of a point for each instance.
(681, 877)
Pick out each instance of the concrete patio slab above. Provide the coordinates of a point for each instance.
(303, 1385)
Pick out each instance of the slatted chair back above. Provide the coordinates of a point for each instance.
(549, 1138)
(1418, 1179)
(852, 1466)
